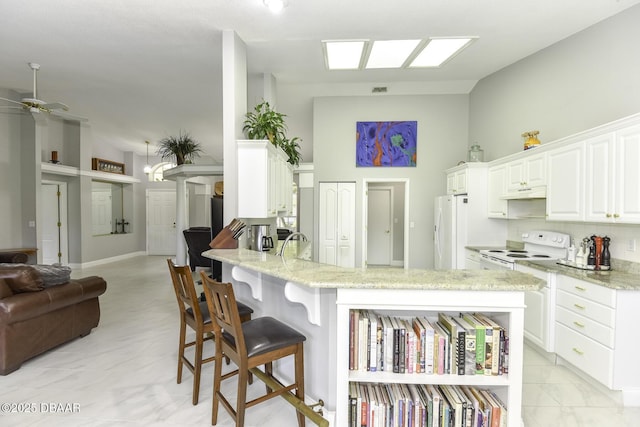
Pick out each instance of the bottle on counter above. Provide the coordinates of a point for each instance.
(571, 254)
(591, 258)
(580, 256)
(598, 251)
(606, 255)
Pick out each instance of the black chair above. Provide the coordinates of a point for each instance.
(198, 239)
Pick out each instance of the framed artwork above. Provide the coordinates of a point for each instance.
(386, 144)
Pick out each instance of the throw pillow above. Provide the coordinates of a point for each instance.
(21, 278)
(55, 274)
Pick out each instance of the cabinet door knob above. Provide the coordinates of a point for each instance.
(616, 216)
(575, 350)
(608, 215)
(578, 324)
(581, 307)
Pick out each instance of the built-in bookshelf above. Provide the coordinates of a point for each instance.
(412, 308)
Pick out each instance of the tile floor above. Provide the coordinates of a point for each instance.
(124, 372)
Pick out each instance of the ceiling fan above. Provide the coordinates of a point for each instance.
(35, 105)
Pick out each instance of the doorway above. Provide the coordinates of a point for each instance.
(54, 240)
(161, 222)
(385, 218)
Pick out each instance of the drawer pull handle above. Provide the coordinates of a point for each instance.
(581, 307)
(578, 324)
(578, 351)
(580, 288)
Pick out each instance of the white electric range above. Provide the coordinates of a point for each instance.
(538, 245)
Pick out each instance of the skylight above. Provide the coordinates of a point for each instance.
(354, 54)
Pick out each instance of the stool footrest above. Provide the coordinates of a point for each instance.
(297, 403)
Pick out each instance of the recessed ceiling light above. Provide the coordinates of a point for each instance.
(275, 6)
(390, 53)
(439, 50)
(343, 55)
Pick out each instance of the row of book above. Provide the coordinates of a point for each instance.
(465, 344)
(420, 405)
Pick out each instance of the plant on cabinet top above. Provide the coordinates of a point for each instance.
(183, 147)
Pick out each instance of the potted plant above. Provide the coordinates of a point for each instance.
(266, 123)
(183, 147)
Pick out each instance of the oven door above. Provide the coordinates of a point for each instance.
(487, 262)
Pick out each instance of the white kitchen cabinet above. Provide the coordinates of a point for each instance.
(472, 260)
(539, 314)
(566, 183)
(497, 206)
(595, 332)
(506, 308)
(264, 180)
(337, 223)
(526, 173)
(612, 193)
(457, 180)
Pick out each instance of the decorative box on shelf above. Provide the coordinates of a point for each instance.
(107, 166)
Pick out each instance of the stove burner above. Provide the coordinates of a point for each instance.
(516, 255)
(540, 256)
(500, 251)
(517, 251)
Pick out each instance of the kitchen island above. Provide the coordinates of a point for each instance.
(317, 300)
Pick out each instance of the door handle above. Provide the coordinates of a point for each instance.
(387, 231)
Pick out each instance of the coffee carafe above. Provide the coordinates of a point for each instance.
(261, 239)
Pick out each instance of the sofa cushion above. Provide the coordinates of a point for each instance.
(51, 275)
(5, 290)
(21, 278)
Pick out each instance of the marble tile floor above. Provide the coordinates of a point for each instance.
(124, 372)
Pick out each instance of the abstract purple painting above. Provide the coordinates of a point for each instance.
(386, 144)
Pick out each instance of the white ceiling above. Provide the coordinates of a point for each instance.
(144, 69)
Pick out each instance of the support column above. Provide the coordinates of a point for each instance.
(181, 219)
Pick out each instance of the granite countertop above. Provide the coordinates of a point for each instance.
(613, 279)
(317, 275)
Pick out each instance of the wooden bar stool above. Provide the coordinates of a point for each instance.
(195, 314)
(259, 341)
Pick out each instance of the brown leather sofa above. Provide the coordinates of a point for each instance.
(36, 317)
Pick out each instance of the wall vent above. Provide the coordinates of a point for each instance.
(379, 89)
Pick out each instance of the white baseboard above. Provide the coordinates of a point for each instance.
(631, 397)
(107, 260)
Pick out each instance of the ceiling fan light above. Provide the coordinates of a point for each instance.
(147, 169)
(275, 6)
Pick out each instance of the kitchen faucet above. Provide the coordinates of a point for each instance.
(289, 237)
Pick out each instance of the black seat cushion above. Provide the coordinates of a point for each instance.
(206, 317)
(266, 334)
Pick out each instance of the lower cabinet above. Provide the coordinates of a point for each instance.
(353, 384)
(596, 329)
(539, 316)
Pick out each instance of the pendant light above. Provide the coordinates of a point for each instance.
(147, 167)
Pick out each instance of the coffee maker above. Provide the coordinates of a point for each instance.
(261, 239)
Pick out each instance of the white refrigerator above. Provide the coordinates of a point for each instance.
(460, 221)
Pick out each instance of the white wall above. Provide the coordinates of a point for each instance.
(442, 142)
(584, 81)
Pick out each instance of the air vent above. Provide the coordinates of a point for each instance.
(379, 89)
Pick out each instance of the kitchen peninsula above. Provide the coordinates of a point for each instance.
(317, 299)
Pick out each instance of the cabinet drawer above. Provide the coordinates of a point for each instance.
(587, 308)
(587, 327)
(585, 354)
(600, 294)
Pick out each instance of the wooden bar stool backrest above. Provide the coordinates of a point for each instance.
(226, 317)
(186, 294)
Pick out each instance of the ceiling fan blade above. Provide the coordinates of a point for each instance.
(54, 106)
(13, 101)
(67, 116)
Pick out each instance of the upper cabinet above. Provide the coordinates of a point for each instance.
(565, 189)
(526, 173)
(612, 191)
(457, 181)
(497, 205)
(265, 180)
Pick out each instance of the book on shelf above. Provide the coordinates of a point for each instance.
(353, 339)
(457, 335)
(443, 348)
(372, 343)
(387, 344)
(428, 345)
(469, 345)
(480, 341)
(493, 359)
(495, 407)
(484, 417)
(437, 405)
(419, 331)
(410, 347)
(468, 409)
(455, 403)
(363, 339)
(472, 402)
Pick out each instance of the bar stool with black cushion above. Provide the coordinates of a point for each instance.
(195, 314)
(259, 341)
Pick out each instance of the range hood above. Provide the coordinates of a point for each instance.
(527, 193)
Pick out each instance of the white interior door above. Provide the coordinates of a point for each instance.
(161, 222)
(379, 226)
(54, 243)
(101, 209)
(336, 219)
